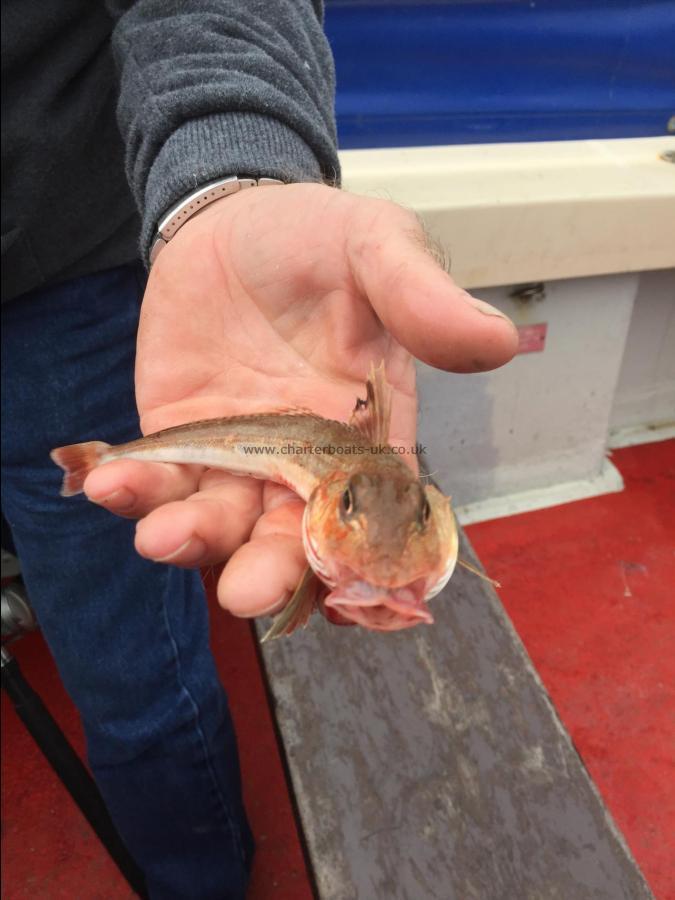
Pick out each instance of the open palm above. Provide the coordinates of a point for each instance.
(277, 298)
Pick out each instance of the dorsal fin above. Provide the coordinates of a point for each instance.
(292, 411)
(372, 416)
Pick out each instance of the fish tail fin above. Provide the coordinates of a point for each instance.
(77, 461)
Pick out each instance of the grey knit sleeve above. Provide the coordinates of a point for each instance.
(211, 88)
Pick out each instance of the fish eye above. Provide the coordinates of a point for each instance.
(347, 502)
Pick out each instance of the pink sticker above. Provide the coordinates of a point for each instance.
(531, 338)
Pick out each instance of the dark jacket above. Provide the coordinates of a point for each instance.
(114, 111)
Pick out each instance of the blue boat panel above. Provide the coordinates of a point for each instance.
(506, 70)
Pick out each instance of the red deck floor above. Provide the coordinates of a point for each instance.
(590, 587)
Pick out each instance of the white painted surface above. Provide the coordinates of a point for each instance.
(645, 393)
(542, 420)
(559, 213)
(608, 481)
(510, 213)
(631, 437)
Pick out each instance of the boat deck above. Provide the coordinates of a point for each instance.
(588, 586)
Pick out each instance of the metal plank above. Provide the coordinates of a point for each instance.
(431, 764)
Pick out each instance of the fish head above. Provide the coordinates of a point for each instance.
(383, 542)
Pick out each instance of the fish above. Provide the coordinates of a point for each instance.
(379, 543)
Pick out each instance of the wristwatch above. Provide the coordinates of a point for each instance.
(196, 202)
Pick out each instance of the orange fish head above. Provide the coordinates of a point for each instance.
(384, 543)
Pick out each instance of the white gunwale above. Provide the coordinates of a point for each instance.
(514, 213)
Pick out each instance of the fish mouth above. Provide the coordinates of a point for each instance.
(380, 608)
(349, 599)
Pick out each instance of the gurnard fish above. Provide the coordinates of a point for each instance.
(379, 543)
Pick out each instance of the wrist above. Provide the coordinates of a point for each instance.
(206, 149)
(196, 202)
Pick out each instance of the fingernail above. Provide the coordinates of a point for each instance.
(486, 308)
(121, 500)
(191, 552)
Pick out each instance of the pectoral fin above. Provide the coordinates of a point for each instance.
(299, 608)
(372, 416)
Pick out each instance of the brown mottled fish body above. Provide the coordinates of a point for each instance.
(281, 447)
(378, 542)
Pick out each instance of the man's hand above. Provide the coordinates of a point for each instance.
(274, 298)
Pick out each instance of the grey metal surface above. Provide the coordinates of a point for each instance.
(430, 764)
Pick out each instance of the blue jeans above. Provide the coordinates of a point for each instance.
(130, 637)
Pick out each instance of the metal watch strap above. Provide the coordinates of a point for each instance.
(196, 202)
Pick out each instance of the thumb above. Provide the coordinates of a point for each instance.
(393, 264)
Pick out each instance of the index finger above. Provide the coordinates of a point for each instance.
(131, 488)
